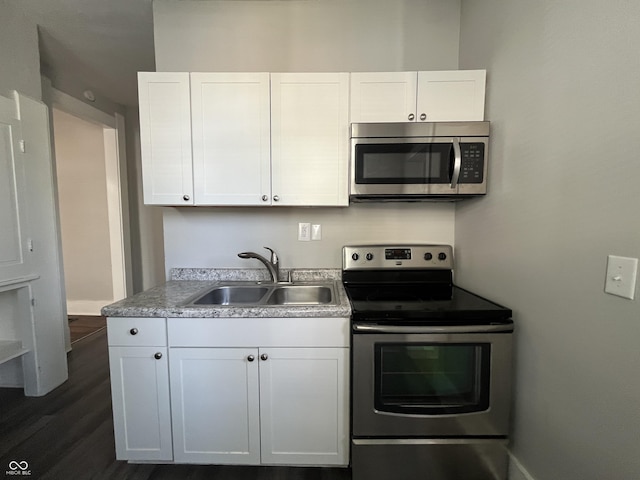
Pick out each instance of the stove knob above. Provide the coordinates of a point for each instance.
(442, 256)
(369, 256)
(355, 256)
(428, 256)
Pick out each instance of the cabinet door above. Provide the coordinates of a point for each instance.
(383, 97)
(141, 410)
(310, 138)
(231, 138)
(214, 396)
(456, 95)
(165, 138)
(304, 406)
(13, 238)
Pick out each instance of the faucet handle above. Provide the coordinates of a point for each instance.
(274, 256)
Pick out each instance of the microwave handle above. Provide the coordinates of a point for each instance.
(457, 162)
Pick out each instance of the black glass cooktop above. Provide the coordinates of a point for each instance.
(422, 303)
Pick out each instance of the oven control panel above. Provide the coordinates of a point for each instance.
(359, 257)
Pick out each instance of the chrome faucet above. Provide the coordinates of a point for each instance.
(272, 265)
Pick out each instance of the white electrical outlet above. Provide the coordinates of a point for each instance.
(621, 276)
(304, 232)
(316, 232)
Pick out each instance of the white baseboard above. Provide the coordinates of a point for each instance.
(517, 471)
(86, 307)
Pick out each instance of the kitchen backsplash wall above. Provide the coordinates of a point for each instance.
(212, 237)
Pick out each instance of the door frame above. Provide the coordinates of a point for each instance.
(116, 176)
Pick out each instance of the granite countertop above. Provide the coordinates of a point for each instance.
(168, 300)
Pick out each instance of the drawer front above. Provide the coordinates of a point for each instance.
(141, 332)
(258, 332)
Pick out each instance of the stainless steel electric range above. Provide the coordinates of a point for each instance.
(431, 368)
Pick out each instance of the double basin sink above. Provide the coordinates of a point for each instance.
(265, 294)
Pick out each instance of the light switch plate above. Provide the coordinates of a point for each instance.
(621, 276)
(316, 232)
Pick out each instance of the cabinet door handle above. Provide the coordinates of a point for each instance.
(276, 198)
(265, 198)
(251, 358)
(186, 198)
(157, 356)
(423, 116)
(264, 356)
(133, 331)
(411, 116)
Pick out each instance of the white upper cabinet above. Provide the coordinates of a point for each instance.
(451, 96)
(13, 241)
(310, 138)
(165, 137)
(383, 97)
(231, 138)
(456, 95)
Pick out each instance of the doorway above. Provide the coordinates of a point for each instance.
(88, 149)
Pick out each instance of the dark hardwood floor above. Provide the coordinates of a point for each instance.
(68, 434)
(81, 326)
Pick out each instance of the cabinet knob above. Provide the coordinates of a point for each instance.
(251, 358)
(133, 331)
(265, 198)
(423, 116)
(157, 356)
(411, 116)
(186, 198)
(264, 356)
(276, 198)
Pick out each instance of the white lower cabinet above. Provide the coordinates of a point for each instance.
(278, 406)
(243, 391)
(270, 391)
(139, 370)
(214, 397)
(304, 406)
(141, 412)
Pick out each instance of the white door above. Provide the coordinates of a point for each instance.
(231, 138)
(141, 409)
(456, 95)
(13, 235)
(214, 397)
(304, 406)
(309, 138)
(383, 97)
(165, 138)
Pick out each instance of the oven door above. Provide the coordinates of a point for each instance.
(418, 381)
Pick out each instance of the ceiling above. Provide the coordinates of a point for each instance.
(100, 44)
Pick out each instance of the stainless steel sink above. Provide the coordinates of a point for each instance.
(300, 295)
(247, 295)
(232, 295)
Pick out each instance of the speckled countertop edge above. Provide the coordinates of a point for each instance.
(167, 300)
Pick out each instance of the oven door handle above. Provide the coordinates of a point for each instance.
(433, 329)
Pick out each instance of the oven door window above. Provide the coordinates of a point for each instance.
(410, 163)
(432, 378)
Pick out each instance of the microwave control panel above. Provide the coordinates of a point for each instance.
(472, 165)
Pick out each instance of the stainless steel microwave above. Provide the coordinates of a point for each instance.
(418, 161)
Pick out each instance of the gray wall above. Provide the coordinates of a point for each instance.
(19, 55)
(300, 36)
(564, 105)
